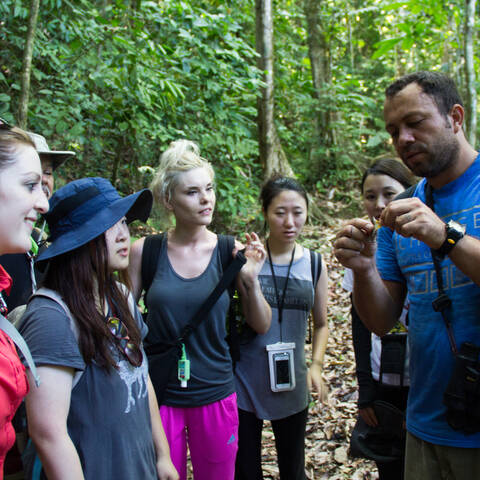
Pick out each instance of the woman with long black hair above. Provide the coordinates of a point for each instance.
(95, 414)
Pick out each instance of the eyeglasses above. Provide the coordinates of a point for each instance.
(120, 332)
(4, 125)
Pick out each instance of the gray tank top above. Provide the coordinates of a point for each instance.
(172, 300)
(252, 378)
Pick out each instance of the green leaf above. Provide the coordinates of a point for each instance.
(384, 46)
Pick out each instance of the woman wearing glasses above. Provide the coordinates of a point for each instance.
(21, 199)
(95, 414)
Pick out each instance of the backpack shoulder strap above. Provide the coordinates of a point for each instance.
(225, 245)
(53, 295)
(150, 254)
(316, 266)
(408, 193)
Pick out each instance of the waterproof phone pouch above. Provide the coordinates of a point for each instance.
(281, 366)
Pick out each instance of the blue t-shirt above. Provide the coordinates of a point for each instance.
(409, 261)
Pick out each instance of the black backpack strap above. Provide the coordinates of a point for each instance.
(227, 278)
(226, 243)
(316, 266)
(408, 193)
(150, 254)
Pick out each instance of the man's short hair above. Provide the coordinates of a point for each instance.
(440, 87)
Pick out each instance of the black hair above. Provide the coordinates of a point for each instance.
(277, 184)
(440, 87)
(393, 169)
(81, 276)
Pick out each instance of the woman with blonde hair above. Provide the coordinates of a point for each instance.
(201, 410)
(21, 199)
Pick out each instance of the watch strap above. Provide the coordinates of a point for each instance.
(453, 236)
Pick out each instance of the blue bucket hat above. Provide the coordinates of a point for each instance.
(84, 209)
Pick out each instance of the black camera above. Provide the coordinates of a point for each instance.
(462, 396)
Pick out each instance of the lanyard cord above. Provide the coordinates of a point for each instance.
(443, 302)
(280, 302)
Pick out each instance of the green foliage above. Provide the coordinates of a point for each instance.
(118, 80)
(117, 84)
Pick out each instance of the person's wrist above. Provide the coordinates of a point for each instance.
(251, 284)
(453, 233)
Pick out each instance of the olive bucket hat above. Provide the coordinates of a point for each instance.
(84, 209)
(384, 443)
(57, 157)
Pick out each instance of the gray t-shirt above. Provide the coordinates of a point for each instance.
(172, 301)
(252, 375)
(109, 417)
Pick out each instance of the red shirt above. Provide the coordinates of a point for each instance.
(13, 383)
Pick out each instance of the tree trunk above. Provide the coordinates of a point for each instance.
(272, 155)
(318, 52)
(27, 64)
(471, 97)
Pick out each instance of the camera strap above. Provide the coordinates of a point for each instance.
(443, 302)
(280, 301)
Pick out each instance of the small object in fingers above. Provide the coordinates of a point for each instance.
(377, 223)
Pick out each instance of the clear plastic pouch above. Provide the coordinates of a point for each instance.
(281, 366)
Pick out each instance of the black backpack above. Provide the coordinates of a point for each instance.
(150, 256)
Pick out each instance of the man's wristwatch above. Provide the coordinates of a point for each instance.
(455, 232)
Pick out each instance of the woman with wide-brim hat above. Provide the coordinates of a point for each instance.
(104, 424)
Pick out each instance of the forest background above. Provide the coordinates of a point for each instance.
(261, 86)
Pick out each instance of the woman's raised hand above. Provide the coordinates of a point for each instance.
(255, 254)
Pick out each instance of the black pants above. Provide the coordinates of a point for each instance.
(289, 440)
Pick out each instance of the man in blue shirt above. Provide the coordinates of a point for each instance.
(424, 115)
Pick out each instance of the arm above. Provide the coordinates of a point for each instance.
(412, 218)
(320, 335)
(255, 308)
(47, 411)
(135, 267)
(362, 346)
(378, 303)
(165, 468)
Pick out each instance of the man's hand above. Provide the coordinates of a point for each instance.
(355, 244)
(410, 217)
(368, 415)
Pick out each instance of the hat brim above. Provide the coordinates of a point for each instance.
(361, 446)
(136, 206)
(57, 157)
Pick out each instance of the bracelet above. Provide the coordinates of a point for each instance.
(317, 362)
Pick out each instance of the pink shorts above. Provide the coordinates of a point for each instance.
(211, 432)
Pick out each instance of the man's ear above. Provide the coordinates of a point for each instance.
(457, 114)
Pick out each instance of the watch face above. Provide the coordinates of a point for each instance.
(452, 224)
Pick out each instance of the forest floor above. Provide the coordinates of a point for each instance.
(329, 426)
